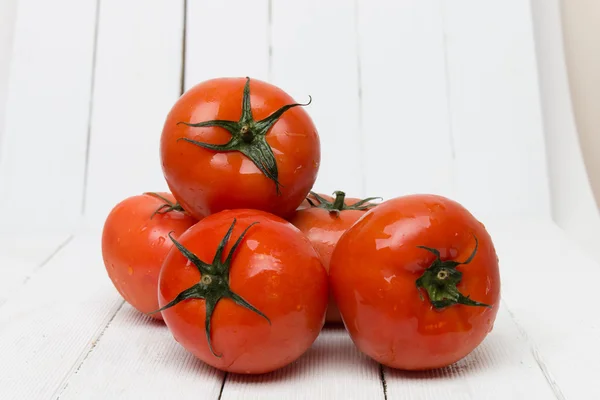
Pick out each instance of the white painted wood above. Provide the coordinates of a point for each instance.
(502, 367)
(42, 155)
(548, 285)
(573, 206)
(8, 12)
(314, 52)
(405, 123)
(500, 163)
(137, 80)
(48, 327)
(22, 255)
(332, 369)
(137, 357)
(226, 38)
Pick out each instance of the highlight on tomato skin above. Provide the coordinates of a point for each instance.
(323, 219)
(417, 283)
(232, 143)
(244, 291)
(135, 242)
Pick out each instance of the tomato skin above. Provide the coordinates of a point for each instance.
(205, 181)
(274, 268)
(324, 228)
(373, 272)
(134, 246)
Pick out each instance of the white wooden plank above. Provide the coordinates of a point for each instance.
(502, 367)
(8, 12)
(405, 114)
(138, 74)
(548, 285)
(332, 369)
(21, 256)
(138, 357)
(48, 327)
(495, 108)
(315, 53)
(226, 38)
(47, 114)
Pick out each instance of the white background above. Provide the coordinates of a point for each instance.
(464, 98)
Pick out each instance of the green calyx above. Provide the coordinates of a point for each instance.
(339, 204)
(167, 207)
(248, 136)
(214, 282)
(440, 281)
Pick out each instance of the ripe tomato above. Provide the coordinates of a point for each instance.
(135, 242)
(323, 222)
(230, 143)
(416, 281)
(244, 291)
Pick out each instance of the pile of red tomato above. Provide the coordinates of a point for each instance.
(245, 264)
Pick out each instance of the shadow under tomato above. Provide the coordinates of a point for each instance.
(332, 351)
(493, 352)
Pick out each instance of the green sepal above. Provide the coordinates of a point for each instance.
(441, 279)
(214, 282)
(339, 204)
(165, 208)
(247, 136)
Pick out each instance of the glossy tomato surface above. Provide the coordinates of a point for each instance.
(324, 228)
(135, 243)
(206, 181)
(274, 270)
(374, 271)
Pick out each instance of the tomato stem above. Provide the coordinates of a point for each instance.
(339, 203)
(213, 284)
(167, 207)
(248, 136)
(441, 279)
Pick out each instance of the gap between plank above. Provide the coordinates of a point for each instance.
(90, 109)
(270, 39)
(223, 385)
(536, 356)
(183, 48)
(44, 262)
(361, 155)
(383, 381)
(86, 354)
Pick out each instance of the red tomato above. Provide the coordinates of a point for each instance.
(409, 306)
(323, 222)
(135, 242)
(244, 291)
(230, 143)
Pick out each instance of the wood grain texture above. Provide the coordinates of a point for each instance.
(21, 256)
(548, 286)
(47, 114)
(495, 108)
(137, 80)
(137, 356)
(405, 119)
(48, 327)
(314, 52)
(505, 355)
(332, 369)
(226, 39)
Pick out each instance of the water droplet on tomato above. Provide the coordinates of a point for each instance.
(143, 229)
(161, 240)
(130, 270)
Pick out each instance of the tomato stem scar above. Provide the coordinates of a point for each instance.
(167, 207)
(248, 136)
(440, 281)
(339, 204)
(214, 282)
